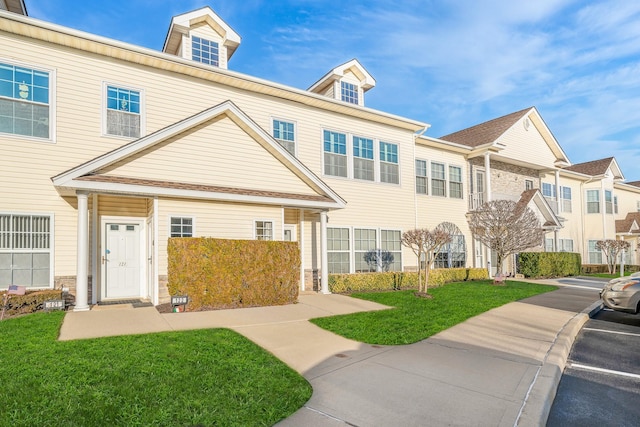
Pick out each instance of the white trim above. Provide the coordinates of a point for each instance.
(95, 258)
(301, 243)
(190, 216)
(103, 111)
(156, 251)
(273, 228)
(140, 221)
(295, 132)
(52, 100)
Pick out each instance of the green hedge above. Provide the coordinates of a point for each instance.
(30, 302)
(549, 264)
(220, 273)
(393, 280)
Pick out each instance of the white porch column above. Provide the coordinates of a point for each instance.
(301, 244)
(82, 286)
(324, 259)
(487, 181)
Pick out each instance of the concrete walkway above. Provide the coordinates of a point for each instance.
(500, 368)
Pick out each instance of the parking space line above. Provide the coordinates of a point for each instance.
(611, 332)
(606, 371)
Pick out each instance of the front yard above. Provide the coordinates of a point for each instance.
(205, 377)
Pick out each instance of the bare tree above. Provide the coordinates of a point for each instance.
(611, 249)
(506, 227)
(425, 244)
(379, 259)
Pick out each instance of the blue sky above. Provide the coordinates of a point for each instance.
(452, 64)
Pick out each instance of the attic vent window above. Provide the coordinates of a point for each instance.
(349, 92)
(205, 51)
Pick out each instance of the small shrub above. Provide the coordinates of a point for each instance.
(549, 264)
(30, 302)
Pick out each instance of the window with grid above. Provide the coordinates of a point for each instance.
(566, 245)
(593, 201)
(391, 240)
(548, 245)
(528, 184)
(438, 179)
(24, 101)
(615, 204)
(364, 240)
(284, 133)
(595, 255)
(204, 51)
(363, 164)
(422, 181)
(455, 182)
(25, 250)
(335, 153)
(123, 112)
(389, 171)
(608, 201)
(349, 92)
(181, 226)
(338, 250)
(264, 230)
(565, 199)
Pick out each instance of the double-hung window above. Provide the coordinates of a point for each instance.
(549, 193)
(349, 92)
(123, 112)
(389, 171)
(205, 51)
(438, 180)
(565, 199)
(593, 201)
(364, 241)
(25, 250)
(608, 201)
(455, 182)
(566, 245)
(181, 226)
(391, 240)
(422, 181)
(335, 153)
(264, 230)
(338, 250)
(363, 163)
(595, 254)
(284, 133)
(25, 101)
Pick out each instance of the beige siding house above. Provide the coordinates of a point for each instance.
(100, 168)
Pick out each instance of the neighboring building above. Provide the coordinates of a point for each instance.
(100, 168)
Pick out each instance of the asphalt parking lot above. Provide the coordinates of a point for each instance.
(601, 382)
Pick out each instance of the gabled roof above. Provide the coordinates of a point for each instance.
(487, 132)
(87, 176)
(634, 183)
(535, 200)
(354, 66)
(598, 168)
(629, 225)
(182, 23)
(16, 6)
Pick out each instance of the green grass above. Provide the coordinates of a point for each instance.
(204, 377)
(414, 319)
(607, 275)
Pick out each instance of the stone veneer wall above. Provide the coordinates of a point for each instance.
(505, 178)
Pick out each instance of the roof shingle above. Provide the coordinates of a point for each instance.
(592, 168)
(486, 132)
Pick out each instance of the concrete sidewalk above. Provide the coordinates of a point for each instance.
(499, 368)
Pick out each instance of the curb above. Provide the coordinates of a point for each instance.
(538, 404)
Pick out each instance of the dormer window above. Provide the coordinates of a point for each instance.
(205, 51)
(349, 92)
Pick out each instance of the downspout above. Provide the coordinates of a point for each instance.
(415, 194)
(555, 231)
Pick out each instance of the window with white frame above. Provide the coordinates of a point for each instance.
(595, 255)
(181, 226)
(349, 92)
(123, 112)
(205, 51)
(608, 201)
(264, 230)
(389, 171)
(438, 179)
(566, 245)
(25, 250)
(549, 193)
(284, 133)
(565, 199)
(455, 182)
(338, 250)
(593, 201)
(25, 99)
(364, 240)
(615, 204)
(363, 163)
(528, 184)
(452, 254)
(422, 182)
(548, 245)
(335, 153)
(391, 240)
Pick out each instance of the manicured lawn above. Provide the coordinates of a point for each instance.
(609, 276)
(414, 319)
(205, 377)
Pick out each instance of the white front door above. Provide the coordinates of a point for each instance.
(122, 260)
